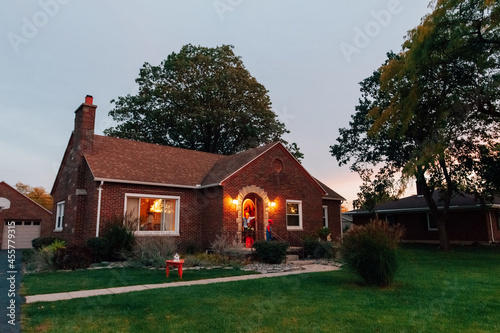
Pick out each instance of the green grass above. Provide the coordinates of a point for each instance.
(56, 282)
(433, 292)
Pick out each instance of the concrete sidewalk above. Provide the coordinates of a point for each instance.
(96, 292)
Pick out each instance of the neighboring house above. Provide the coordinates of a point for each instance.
(346, 221)
(21, 214)
(470, 222)
(189, 195)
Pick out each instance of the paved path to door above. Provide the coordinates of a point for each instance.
(109, 291)
(10, 300)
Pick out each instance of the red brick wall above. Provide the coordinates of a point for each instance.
(334, 218)
(21, 208)
(291, 184)
(74, 175)
(200, 212)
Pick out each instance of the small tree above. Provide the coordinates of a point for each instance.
(370, 251)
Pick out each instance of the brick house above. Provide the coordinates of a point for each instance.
(470, 222)
(190, 195)
(21, 214)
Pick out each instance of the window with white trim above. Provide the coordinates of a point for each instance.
(153, 215)
(59, 216)
(431, 222)
(294, 214)
(325, 216)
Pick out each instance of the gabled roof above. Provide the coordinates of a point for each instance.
(121, 160)
(228, 165)
(8, 191)
(127, 161)
(417, 203)
(330, 194)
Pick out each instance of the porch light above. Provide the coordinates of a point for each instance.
(235, 202)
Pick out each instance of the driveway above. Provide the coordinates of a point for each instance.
(10, 300)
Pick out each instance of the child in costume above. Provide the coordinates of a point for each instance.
(268, 230)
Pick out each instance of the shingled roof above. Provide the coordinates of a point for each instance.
(121, 160)
(330, 194)
(114, 159)
(417, 203)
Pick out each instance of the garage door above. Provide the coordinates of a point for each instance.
(26, 231)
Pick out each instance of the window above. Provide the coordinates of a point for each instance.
(294, 214)
(431, 222)
(152, 215)
(325, 216)
(59, 216)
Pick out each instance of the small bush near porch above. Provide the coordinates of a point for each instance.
(455, 291)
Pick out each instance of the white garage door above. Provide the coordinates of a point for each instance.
(25, 232)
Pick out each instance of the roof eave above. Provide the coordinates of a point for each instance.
(195, 187)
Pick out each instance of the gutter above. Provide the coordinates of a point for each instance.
(197, 186)
(98, 209)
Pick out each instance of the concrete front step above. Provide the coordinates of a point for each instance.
(292, 257)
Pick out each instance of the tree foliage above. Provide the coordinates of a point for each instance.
(431, 112)
(199, 98)
(37, 194)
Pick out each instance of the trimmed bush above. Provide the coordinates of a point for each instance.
(72, 257)
(271, 252)
(99, 246)
(370, 251)
(41, 242)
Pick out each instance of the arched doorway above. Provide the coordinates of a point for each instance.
(254, 201)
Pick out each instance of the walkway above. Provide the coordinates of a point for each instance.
(311, 268)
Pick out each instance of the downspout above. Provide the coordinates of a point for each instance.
(341, 224)
(491, 228)
(99, 189)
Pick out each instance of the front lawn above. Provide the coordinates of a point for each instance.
(62, 281)
(433, 292)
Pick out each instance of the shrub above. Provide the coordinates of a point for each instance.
(370, 251)
(121, 240)
(219, 244)
(318, 249)
(43, 260)
(153, 251)
(72, 257)
(99, 246)
(41, 242)
(271, 252)
(323, 233)
(28, 255)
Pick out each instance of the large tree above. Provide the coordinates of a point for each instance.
(199, 98)
(432, 111)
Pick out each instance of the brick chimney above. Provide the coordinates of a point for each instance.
(84, 125)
